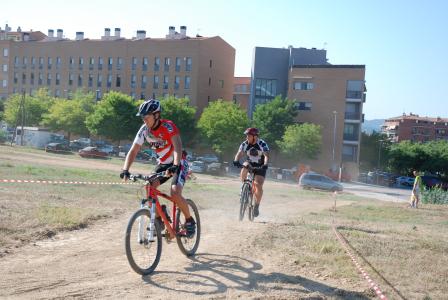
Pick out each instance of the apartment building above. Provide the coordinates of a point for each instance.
(198, 68)
(241, 91)
(331, 96)
(414, 128)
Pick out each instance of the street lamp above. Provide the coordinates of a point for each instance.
(379, 159)
(334, 132)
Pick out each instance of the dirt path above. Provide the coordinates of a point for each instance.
(91, 263)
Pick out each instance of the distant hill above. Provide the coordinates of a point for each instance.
(370, 125)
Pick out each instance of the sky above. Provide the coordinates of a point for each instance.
(403, 44)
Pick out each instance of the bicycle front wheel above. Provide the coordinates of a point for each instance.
(143, 250)
(250, 200)
(188, 245)
(244, 200)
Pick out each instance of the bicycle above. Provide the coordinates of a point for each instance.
(146, 232)
(247, 194)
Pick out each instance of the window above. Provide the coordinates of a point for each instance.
(16, 78)
(166, 80)
(90, 80)
(109, 80)
(156, 64)
(91, 63)
(49, 63)
(178, 63)
(5, 52)
(188, 63)
(221, 83)
(71, 62)
(58, 62)
(48, 79)
(80, 80)
(33, 62)
(118, 81)
(5, 68)
(99, 80)
(133, 95)
(57, 93)
(209, 81)
(176, 82)
(155, 82)
(32, 78)
(5, 83)
(119, 63)
(145, 64)
(349, 152)
(355, 89)
(133, 79)
(186, 96)
(265, 88)
(81, 63)
(16, 61)
(143, 82)
(187, 82)
(303, 105)
(70, 79)
(110, 62)
(134, 63)
(58, 78)
(211, 63)
(142, 96)
(167, 64)
(23, 78)
(100, 63)
(24, 62)
(351, 132)
(352, 111)
(40, 79)
(301, 85)
(41, 63)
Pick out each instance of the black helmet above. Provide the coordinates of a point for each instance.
(149, 107)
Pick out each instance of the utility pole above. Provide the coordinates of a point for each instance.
(22, 104)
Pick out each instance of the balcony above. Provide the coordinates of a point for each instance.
(351, 137)
(353, 116)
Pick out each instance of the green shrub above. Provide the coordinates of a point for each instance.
(435, 196)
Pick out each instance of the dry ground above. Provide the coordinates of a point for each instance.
(289, 252)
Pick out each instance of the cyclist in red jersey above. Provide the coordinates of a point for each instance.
(162, 136)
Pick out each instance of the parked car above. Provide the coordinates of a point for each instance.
(92, 152)
(124, 149)
(405, 180)
(318, 181)
(208, 158)
(214, 168)
(108, 148)
(431, 181)
(57, 148)
(198, 166)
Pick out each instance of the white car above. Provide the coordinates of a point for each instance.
(405, 180)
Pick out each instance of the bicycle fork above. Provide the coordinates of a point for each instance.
(150, 227)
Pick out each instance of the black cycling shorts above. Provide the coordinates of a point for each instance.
(163, 167)
(258, 171)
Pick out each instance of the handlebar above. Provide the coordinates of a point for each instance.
(250, 168)
(149, 178)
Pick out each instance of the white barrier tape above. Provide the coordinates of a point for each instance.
(372, 284)
(65, 182)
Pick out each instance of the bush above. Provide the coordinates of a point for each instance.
(3, 136)
(435, 196)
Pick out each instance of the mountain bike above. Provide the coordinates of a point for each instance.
(143, 239)
(247, 200)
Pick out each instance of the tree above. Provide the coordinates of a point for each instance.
(71, 115)
(114, 117)
(407, 156)
(373, 147)
(222, 124)
(273, 117)
(301, 141)
(35, 107)
(182, 114)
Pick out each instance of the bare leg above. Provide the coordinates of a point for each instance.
(176, 194)
(258, 183)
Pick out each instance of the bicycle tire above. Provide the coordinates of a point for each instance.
(131, 256)
(243, 200)
(182, 240)
(250, 211)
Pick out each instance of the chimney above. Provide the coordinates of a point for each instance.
(117, 32)
(171, 31)
(26, 36)
(50, 33)
(59, 33)
(141, 34)
(19, 29)
(107, 32)
(183, 31)
(79, 35)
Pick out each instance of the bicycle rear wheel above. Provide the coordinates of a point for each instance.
(143, 255)
(188, 245)
(244, 200)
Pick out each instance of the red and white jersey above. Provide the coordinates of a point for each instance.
(159, 139)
